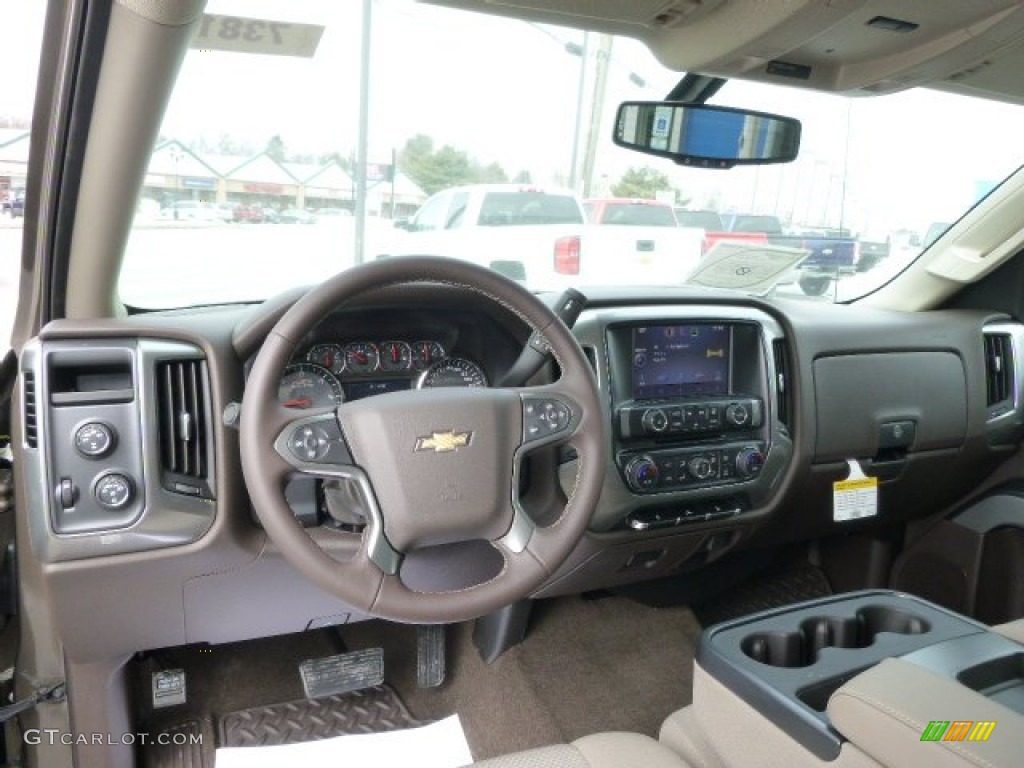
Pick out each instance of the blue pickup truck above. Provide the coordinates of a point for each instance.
(833, 254)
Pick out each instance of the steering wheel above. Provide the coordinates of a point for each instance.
(436, 473)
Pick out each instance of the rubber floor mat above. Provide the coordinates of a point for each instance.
(371, 710)
(766, 591)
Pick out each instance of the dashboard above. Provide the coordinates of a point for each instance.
(730, 421)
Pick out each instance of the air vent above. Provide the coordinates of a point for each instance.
(31, 412)
(998, 367)
(184, 426)
(591, 354)
(782, 381)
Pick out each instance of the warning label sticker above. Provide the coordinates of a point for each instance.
(856, 497)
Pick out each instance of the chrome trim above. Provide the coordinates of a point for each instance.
(378, 548)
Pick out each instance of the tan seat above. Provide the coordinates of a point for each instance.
(601, 750)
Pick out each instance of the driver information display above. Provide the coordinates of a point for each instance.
(680, 361)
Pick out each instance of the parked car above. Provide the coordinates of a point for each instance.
(15, 205)
(538, 235)
(252, 214)
(629, 212)
(296, 216)
(196, 210)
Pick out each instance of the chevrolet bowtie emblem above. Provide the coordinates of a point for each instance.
(443, 442)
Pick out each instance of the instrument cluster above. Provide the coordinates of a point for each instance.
(329, 374)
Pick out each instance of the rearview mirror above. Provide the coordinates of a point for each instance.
(706, 136)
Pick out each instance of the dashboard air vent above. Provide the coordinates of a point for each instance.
(782, 381)
(31, 412)
(184, 426)
(998, 367)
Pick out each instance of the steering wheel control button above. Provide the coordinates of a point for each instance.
(114, 490)
(543, 417)
(309, 443)
(318, 441)
(94, 440)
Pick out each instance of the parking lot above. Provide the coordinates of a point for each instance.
(243, 262)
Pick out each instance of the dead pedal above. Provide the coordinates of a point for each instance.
(342, 673)
(430, 655)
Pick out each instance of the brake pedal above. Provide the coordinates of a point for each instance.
(430, 655)
(342, 673)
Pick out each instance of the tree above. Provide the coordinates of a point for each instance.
(436, 169)
(275, 148)
(641, 183)
(523, 177)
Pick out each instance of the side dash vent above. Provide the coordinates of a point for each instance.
(783, 387)
(998, 368)
(28, 396)
(183, 406)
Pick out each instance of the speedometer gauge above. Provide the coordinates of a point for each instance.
(306, 385)
(453, 372)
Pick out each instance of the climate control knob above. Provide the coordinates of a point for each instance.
(737, 414)
(642, 473)
(654, 420)
(700, 467)
(749, 462)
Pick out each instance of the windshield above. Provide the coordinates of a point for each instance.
(480, 151)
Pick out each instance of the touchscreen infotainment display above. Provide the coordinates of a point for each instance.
(680, 361)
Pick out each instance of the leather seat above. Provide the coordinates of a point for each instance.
(600, 750)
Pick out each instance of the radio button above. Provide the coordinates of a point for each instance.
(737, 414)
(654, 420)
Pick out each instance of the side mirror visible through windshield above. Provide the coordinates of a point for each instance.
(706, 136)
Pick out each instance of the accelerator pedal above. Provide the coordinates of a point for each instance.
(430, 655)
(342, 673)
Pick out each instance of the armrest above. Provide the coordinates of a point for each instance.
(885, 710)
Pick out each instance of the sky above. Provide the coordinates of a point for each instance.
(506, 91)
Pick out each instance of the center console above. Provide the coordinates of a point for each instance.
(787, 663)
(691, 411)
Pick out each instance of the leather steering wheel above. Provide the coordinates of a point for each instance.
(435, 472)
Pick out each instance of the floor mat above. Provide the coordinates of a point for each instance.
(586, 666)
(372, 710)
(768, 590)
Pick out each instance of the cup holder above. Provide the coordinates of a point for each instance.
(800, 648)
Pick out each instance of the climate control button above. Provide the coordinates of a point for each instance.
(701, 467)
(749, 462)
(642, 473)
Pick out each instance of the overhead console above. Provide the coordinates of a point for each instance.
(693, 405)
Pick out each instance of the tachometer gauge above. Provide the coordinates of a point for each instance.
(328, 356)
(453, 372)
(426, 352)
(395, 356)
(361, 357)
(306, 385)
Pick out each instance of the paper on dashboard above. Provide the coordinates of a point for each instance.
(754, 268)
